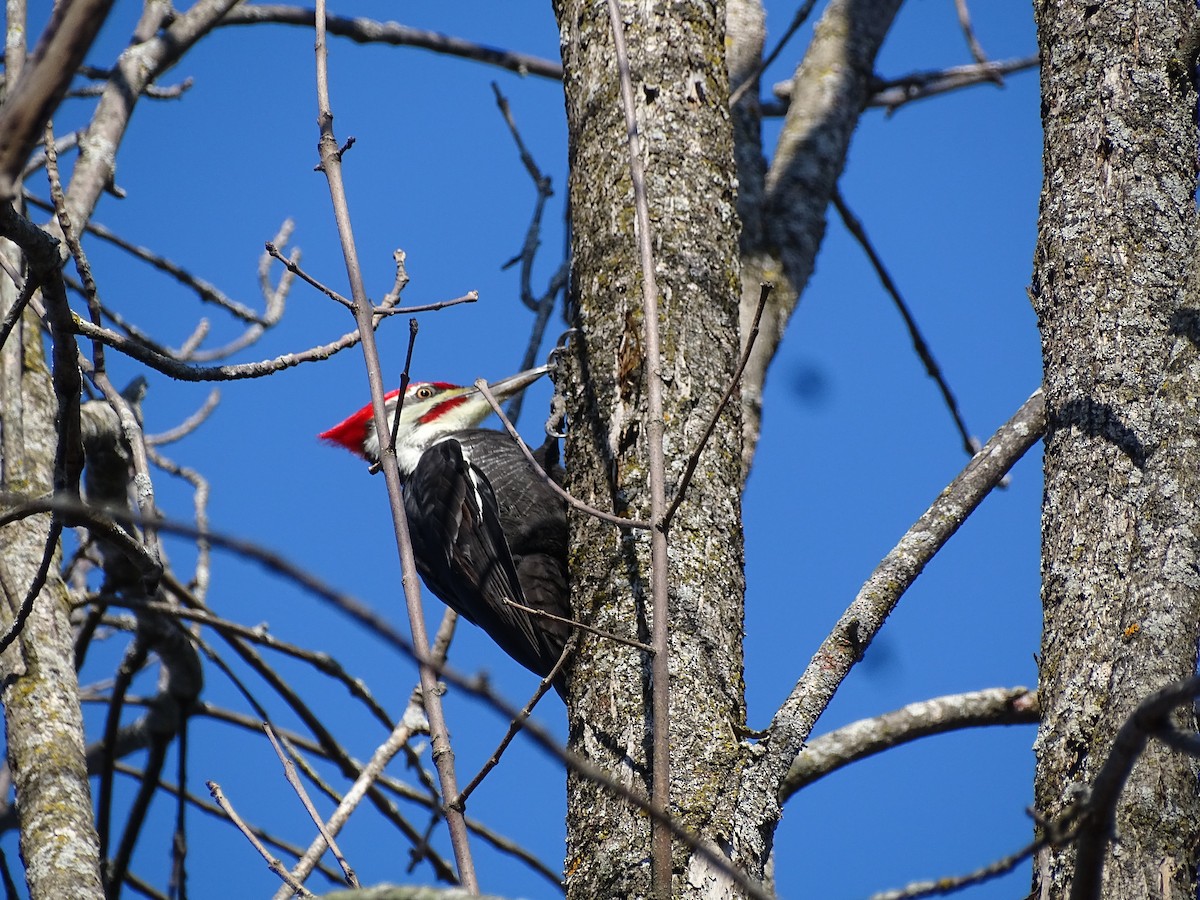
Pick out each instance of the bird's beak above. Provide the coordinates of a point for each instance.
(514, 384)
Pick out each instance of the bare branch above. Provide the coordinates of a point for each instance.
(37, 160)
(660, 783)
(964, 22)
(371, 31)
(30, 103)
(35, 587)
(932, 369)
(150, 91)
(1151, 718)
(204, 290)
(181, 371)
(893, 93)
(443, 754)
(273, 862)
(950, 885)
(468, 297)
(734, 383)
(803, 11)
(571, 623)
(289, 771)
(200, 490)
(866, 737)
(858, 625)
(188, 425)
(292, 266)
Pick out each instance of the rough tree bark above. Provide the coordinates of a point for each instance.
(681, 87)
(1117, 310)
(39, 691)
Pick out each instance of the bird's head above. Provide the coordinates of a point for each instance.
(432, 411)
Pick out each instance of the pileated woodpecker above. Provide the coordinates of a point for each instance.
(487, 532)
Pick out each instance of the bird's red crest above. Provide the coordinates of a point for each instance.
(351, 432)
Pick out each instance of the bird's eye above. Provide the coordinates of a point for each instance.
(424, 392)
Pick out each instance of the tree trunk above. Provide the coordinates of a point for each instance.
(39, 691)
(682, 94)
(1120, 522)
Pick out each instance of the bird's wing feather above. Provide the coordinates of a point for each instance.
(462, 554)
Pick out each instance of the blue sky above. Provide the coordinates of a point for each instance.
(856, 442)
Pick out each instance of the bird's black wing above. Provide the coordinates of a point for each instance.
(534, 520)
(462, 554)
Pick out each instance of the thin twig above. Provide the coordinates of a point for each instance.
(660, 782)
(571, 623)
(932, 369)
(293, 267)
(443, 752)
(273, 862)
(25, 292)
(35, 586)
(801, 16)
(543, 306)
(517, 723)
(734, 383)
(468, 297)
(200, 492)
(952, 884)
(372, 31)
(964, 22)
(188, 425)
(575, 503)
(392, 297)
(204, 290)
(289, 772)
(401, 394)
(150, 91)
(177, 885)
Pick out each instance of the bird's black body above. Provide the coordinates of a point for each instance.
(487, 530)
(488, 534)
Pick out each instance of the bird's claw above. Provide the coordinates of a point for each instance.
(558, 414)
(560, 347)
